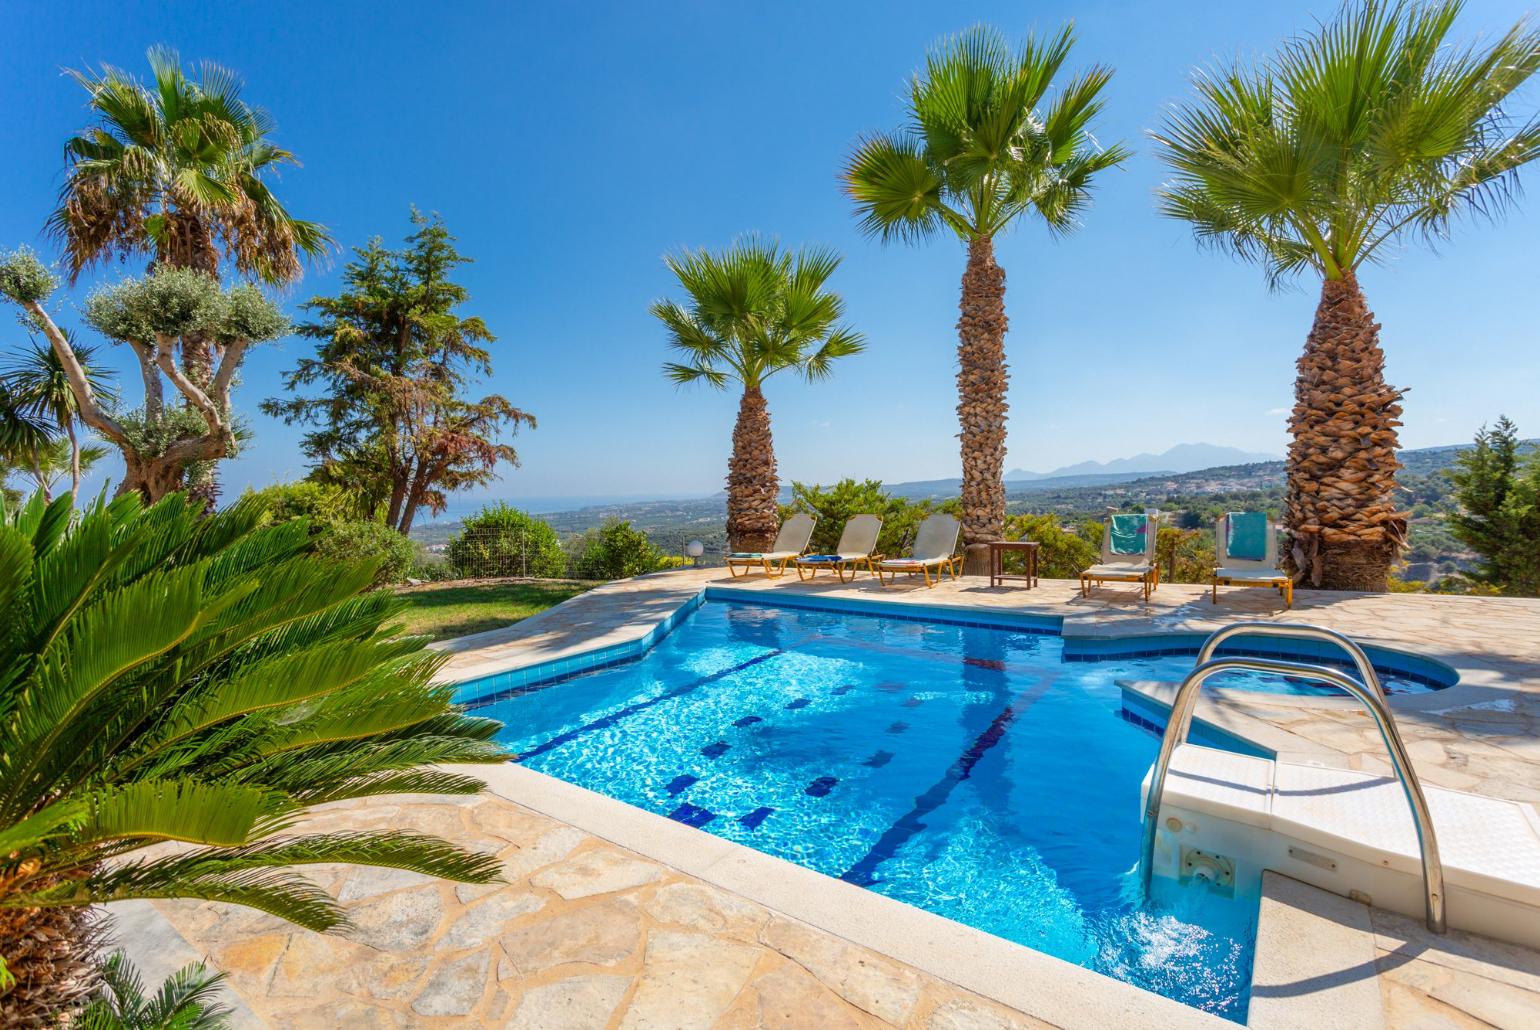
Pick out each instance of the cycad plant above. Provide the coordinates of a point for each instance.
(166, 677)
(1374, 129)
(186, 1001)
(978, 153)
(754, 310)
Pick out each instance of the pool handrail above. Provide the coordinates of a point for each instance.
(1180, 722)
(1300, 631)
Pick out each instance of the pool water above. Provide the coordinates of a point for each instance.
(967, 770)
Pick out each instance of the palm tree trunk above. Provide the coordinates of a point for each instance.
(69, 431)
(981, 407)
(1340, 509)
(752, 486)
(48, 951)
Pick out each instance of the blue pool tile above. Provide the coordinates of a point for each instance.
(890, 687)
(682, 783)
(800, 702)
(821, 786)
(898, 727)
(747, 720)
(754, 818)
(692, 815)
(880, 759)
(716, 750)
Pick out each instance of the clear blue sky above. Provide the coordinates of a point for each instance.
(571, 146)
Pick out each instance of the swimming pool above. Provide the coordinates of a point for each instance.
(966, 769)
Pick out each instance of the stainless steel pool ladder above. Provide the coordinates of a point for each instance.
(1367, 690)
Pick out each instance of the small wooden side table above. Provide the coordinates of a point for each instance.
(997, 549)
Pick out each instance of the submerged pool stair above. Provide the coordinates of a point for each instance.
(1344, 831)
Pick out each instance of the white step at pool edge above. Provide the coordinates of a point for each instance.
(1352, 833)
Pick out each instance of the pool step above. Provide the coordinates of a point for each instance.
(1351, 833)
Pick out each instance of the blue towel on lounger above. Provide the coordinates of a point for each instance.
(818, 557)
(1247, 535)
(746, 554)
(1129, 533)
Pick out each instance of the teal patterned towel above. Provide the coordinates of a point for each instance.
(1129, 533)
(1247, 535)
(746, 554)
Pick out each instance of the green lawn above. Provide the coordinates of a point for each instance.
(457, 609)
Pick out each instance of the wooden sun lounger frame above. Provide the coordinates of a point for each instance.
(1150, 579)
(950, 565)
(1283, 583)
(852, 565)
(774, 568)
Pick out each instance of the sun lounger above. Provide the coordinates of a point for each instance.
(855, 551)
(1128, 554)
(1246, 548)
(789, 543)
(934, 545)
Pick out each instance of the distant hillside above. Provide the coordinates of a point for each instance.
(1185, 457)
(673, 522)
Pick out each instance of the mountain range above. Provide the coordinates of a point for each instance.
(1184, 457)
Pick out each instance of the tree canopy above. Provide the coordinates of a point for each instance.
(394, 358)
(979, 149)
(1371, 129)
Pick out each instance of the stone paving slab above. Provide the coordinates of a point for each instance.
(583, 934)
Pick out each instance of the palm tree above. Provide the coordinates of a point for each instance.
(178, 171)
(57, 458)
(24, 435)
(171, 676)
(40, 384)
(753, 311)
(976, 155)
(1371, 130)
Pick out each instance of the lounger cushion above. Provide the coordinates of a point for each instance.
(1256, 575)
(916, 562)
(1116, 569)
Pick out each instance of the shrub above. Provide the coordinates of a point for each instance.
(171, 676)
(322, 503)
(369, 541)
(1060, 554)
(502, 541)
(1185, 555)
(614, 551)
(337, 537)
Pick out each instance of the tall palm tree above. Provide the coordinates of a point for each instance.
(1368, 131)
(976, 155)
(41, 386)
(754, 310)
(177, 170)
